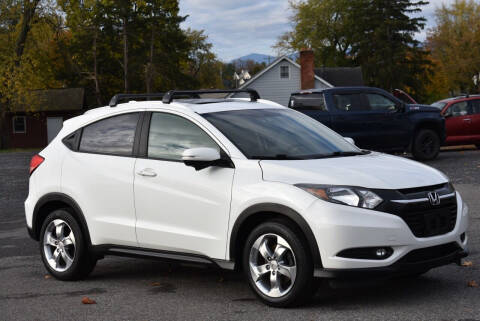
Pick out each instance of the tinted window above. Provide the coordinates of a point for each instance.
(458, 109)
(278, 134)
(349, 102)
(308, 102)
(170, 135)
(380, 103)
(475, 106)
(114, 135)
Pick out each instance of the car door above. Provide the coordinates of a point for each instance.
(350, 118)
(458, 123)
(312, 105)
(98, 175)
(387, 122)
(475, 124)
(179, 208)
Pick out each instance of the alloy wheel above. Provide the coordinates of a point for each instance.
(272, 265)
(59, 245)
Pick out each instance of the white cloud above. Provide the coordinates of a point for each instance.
(241, 27)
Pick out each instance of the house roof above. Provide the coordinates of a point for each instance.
(54, 100)
(341, 76)
(276, 62)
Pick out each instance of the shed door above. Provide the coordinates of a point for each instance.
(54, 125)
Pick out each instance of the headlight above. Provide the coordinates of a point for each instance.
(352, 196)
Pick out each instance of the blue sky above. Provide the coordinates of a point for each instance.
(240, 27)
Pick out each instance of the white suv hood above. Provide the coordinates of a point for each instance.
(374, 170)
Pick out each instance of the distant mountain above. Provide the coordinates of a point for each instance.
(260, 58)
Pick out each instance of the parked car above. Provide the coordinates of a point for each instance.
(403, 96)
(462, 119)
(375, 119)
(247, 185)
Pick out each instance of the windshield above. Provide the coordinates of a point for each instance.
(438, 104)
(279, 134)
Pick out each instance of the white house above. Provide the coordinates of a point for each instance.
(284, 76)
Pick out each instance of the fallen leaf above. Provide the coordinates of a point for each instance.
(473, 284)
(47, 276)
(86, 300)
(156, 284)
(467, 263)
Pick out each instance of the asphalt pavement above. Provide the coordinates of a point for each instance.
(134, 289)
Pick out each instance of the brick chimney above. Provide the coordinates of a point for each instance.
(307, 64)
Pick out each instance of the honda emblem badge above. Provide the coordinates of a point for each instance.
(434, 198)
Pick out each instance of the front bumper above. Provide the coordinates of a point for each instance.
(338, 227)
(401, 267)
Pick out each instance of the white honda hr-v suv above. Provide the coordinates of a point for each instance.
(240, 183)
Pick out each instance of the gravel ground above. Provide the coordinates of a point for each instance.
(128, 289)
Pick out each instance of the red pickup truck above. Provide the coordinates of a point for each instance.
(462, 115)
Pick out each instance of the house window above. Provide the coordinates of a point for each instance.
(19, 125)
(284, 72)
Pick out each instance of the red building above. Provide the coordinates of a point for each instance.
(35, 129)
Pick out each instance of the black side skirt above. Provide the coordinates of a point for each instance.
(127, 251)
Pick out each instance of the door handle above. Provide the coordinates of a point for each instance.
(467, 119)
(147, 172)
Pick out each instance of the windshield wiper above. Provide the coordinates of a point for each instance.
(337, 154)
(277, 157)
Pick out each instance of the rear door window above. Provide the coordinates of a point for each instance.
(349, 103)
(308, 102)
(475, 106)
(111, 136)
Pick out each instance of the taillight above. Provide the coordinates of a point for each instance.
(35, 162)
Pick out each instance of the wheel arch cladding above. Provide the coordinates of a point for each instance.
(259, 213)
(429, 125)
(54, 201)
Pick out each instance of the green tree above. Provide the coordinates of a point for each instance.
(455, 45)
(375, 34)
(202, 64)
(26, 29)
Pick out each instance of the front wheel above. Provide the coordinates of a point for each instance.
(63, 248)
(426, 145)
(278, 266)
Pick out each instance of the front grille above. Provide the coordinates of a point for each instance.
(414, 207)
(430, 253)
(426, 220)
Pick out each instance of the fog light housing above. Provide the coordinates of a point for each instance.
(367, 253)
(381, 253)
(463, 236)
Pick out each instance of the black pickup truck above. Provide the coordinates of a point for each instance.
(375, 119)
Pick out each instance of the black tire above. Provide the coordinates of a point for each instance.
(83, 262)
(478, 146)
(303, 287)
(426, 145)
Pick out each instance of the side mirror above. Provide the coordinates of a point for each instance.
(350, 140)
(201, 157)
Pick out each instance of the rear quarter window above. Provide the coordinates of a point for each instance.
(111, 136)
(308, 102)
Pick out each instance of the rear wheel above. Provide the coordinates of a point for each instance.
(426, 145)
(63, 249)
(277, 265)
